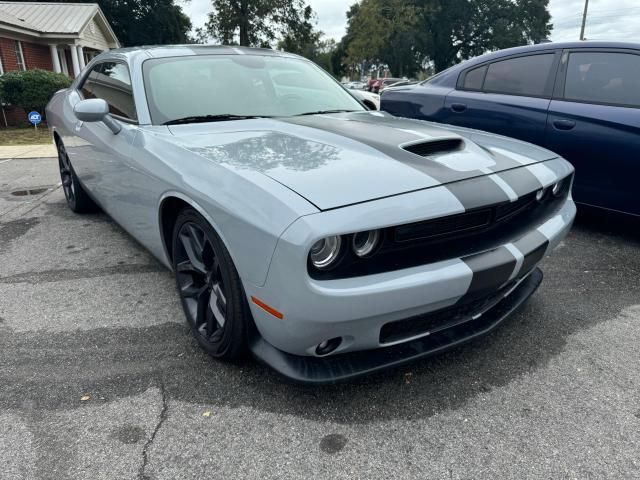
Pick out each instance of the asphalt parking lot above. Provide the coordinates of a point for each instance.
(100, 379)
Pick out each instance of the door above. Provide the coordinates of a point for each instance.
(98, 155)
(594, 122)
(509, 97)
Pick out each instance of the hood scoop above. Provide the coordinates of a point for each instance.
(435, 147)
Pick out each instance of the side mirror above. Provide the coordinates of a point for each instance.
(96, 110)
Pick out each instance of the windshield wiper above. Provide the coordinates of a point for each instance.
(322, 112)
(212, 118)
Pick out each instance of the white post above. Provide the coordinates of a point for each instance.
(63, 60)
(55, 59)
(74, 60)
(81, 57)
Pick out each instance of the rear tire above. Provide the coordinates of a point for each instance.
(209, 286)
(77, 199)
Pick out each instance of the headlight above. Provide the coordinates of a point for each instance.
(364, 243)
(557, 188)
(540, 194)
(324, 253)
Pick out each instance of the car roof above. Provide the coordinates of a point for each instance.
(162, 51)
(446, 77)
(555, 46)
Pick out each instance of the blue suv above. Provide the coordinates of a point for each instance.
(580, 100)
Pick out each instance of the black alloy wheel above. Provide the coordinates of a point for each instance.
(209, 287)
(77, 199)
(66, 177)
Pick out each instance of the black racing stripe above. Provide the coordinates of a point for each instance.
(490, 269)
(386, 139)
(521, 180)
(502, 162)
(478, 192)
(533, 246)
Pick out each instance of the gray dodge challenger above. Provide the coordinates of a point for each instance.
(328, 240)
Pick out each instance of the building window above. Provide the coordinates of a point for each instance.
(20, 56)
(1, 68)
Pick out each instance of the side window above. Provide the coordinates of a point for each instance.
(603, 77)
(89, 83)
(111, 82)
(473, 78)
(520, 76)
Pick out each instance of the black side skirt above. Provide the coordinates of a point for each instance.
(346, 366)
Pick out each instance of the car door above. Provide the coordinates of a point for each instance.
(98, 155)
(508, 96)
(594, 122)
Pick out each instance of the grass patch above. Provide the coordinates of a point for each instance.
(24, 136)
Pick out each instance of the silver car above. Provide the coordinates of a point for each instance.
(328, 240)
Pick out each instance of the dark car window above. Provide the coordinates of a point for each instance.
(474, 78)
(89, 83)
(520, 76)
(111, 82)
(603, 77)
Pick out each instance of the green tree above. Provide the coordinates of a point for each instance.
(307, 41)
(255, 23)
(405, 33)
(31, 89)
(459, 29)
(302, 39)
(145, 22)
(384, 31)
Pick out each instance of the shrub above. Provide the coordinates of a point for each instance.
(31, 89)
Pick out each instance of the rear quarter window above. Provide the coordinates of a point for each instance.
(473, 79)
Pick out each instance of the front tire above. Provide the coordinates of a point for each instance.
(77, 199)
(209, 286)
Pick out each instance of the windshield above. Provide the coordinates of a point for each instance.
(240, 86)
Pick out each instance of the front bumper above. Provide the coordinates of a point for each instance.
(332, 369)
(357, 309)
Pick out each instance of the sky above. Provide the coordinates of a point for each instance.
(607, 19)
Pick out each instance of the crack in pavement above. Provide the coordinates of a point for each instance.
(65, 274)
(145, 450)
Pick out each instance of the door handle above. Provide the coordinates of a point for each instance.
(564, 124)
(458, 107)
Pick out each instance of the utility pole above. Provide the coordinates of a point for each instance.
(584, 19)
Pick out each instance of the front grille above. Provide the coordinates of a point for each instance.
(440, 320)
(444, 226)
(464, 222)
(508, 210)
(434, 147)
(454, 236)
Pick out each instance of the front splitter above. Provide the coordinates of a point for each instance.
(347, 366)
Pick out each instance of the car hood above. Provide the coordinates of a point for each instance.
(342, 159)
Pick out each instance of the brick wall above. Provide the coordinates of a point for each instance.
(16, 117)
(37, 56)
(8, 54)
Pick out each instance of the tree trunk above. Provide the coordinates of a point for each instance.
(244, 24)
